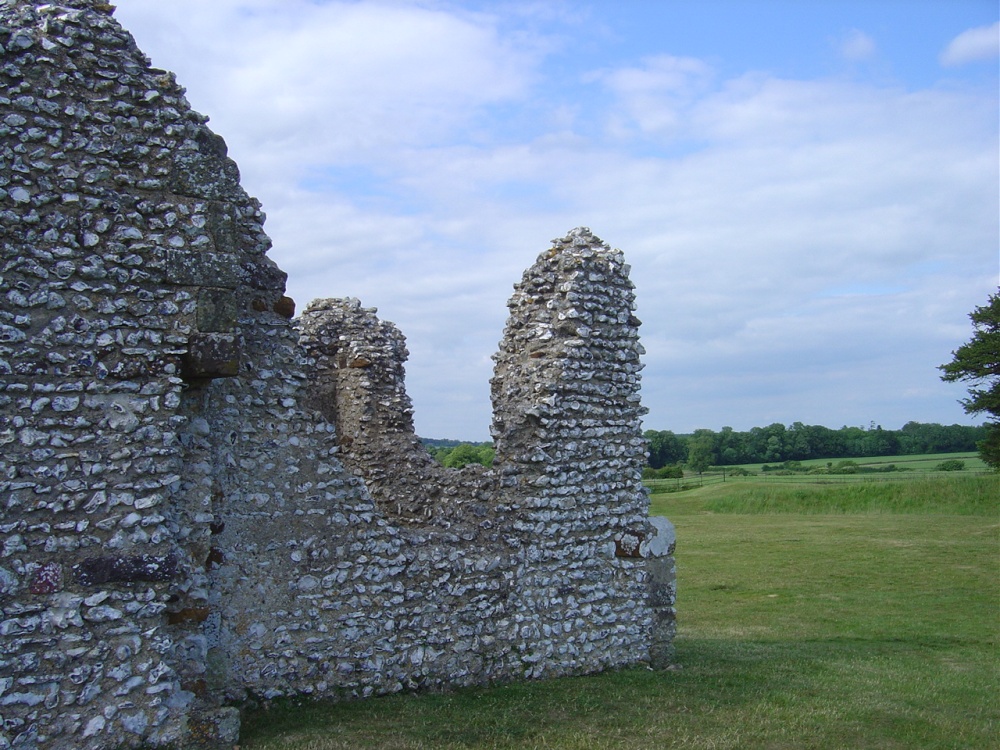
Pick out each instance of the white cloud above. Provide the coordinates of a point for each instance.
(857, 46)
(375, 75)
(802, 249)
(973, 45)
(292, 84)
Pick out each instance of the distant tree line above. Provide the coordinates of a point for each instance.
(454, 454)
(772, 444)
(777, 443)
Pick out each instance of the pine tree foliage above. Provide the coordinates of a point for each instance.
(978, 362)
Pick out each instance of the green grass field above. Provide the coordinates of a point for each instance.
(907, 468)
(809, 618)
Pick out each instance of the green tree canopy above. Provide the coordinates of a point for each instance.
(464, 454)
(701, 451)
(665, 448)
(978, 362)
(798, 442)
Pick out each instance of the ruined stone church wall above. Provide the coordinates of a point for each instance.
(195, 505)
(357, 381)
(567, 429)
(92, 332)
(133, 268)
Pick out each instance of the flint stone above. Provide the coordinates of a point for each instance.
(48, 579)
(663, 540)
(9, 582)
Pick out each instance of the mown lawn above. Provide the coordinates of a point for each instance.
(846, 626)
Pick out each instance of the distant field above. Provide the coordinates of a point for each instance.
(929, 494)
(908, 467)
(921, 462)
(811, 617)
(924, 461)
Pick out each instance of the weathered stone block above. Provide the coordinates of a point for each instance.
(221, 225)
(662, 654)
(217, 310)
(186, 268)
(206, 172)
(661, 542)
(285, 307)
(211, 355)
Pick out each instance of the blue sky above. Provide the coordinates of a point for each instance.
(807, 191)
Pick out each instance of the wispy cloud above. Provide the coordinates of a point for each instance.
(973, 45)
(856, 46)
(653, 95)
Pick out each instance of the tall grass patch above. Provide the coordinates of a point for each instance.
(962, 495)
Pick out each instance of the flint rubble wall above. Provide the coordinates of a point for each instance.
(202, 500)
